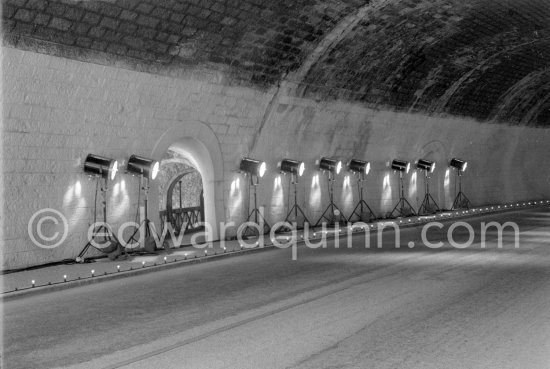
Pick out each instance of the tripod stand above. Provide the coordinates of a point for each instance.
(295, 208)
(429, 206)
(461, 201)
(362, 203)
(332, 206)
(250, 231)
(103, 230)
(144, 185)
(399, 209)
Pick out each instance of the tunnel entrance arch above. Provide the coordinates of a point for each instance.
(198, 146)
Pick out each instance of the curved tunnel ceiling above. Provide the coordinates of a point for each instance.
(485, 59)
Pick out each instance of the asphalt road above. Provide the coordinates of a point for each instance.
(388, 307)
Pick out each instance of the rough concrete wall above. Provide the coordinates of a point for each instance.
(57, 110)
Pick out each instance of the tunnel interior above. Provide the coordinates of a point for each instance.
(225, 79)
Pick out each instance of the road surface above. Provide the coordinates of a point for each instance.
(388, 307)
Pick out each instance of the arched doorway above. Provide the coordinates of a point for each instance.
(198, 144)
(181, 195)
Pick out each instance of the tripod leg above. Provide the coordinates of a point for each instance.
(402, 201)
(133, 235)
(395, 208)
(400, 207)
(423, 209)
(466, 201)
(299, 209)
(354, 212)
(144, 223)
(405, 201)
(106, 233)
(83, 252)
(372, 215)
(342, 216)
(296, 210)
(429, 206)
(323, 216)
(362, 204)
(461, 202)
(434, 203)
(266, 225)
(331, 207)
(257, 215)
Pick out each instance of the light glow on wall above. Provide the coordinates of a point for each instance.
(277, 200)
(235, 197)
(346, 182)
(447, 184)
(315, 193)
(347, 193)
(78, 189)
(116, 189)
(413, 186)
(74, 204)
(386, 191)
(120, 201)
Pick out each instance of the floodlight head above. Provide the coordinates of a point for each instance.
(427, 165)
(100, 166)
(332, 165)
(401, 165)
(253, 167)
(292, 166)
(139, 165)
(359, 166)
(459, 164)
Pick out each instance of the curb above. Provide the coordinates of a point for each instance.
(59, 286)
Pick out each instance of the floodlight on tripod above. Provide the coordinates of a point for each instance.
(143, 167)
(429, 205)
(361, 169)
(331, 167)
(400, 209)
(461, 200)
(458, 164)
(296, 169)
(100, 168)
(147, 169)
(256, 170)
(401, 166)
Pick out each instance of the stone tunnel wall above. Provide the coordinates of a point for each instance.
(483, 59)
(57, 110)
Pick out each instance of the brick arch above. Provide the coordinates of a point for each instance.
(436, 57)
(391, 54)
(198, 144)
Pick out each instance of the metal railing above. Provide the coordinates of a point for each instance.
(184, 220)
